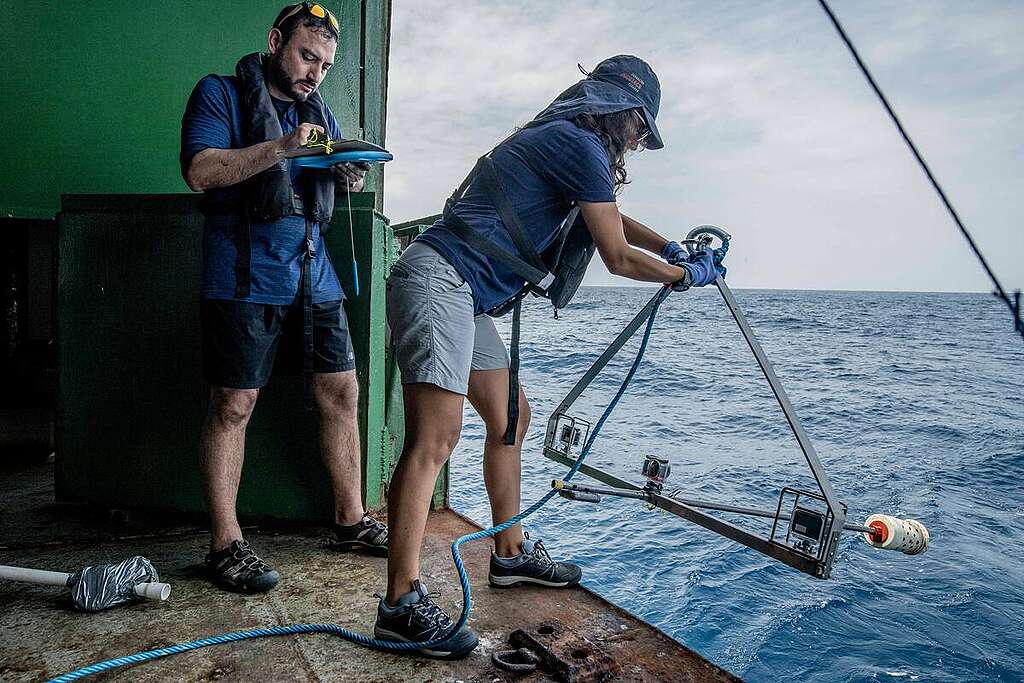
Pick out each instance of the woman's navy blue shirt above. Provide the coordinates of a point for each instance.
(544, 169)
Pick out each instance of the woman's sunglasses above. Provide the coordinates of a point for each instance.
(643, 132)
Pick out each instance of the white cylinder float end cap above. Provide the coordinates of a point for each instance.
(891, 533)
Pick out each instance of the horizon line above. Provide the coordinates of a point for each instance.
(810, 289)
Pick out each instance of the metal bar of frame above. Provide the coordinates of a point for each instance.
(807, 565)
(820, 568)
(835, 505)
(636, 492)
(624, 336)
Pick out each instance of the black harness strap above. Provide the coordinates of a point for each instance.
(509, 216)
(531, 268)
(518, 266)
(307, 317)
(527, 264)
(563, 234)
(513, 378)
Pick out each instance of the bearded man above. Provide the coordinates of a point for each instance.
(267, 278)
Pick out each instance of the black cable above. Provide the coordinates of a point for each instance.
(1014, 307)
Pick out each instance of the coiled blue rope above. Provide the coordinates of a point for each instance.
(358, 638)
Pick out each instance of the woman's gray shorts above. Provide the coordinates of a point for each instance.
(435, 336)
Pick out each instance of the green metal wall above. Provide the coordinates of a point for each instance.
(93, 92)
(132, 398)
(93, 98)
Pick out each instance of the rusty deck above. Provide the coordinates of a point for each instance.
(41, 636)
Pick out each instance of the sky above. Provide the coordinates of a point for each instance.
(771, 131)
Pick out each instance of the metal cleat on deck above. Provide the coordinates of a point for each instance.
(566, 655)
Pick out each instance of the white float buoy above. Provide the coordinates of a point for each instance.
(892, 533)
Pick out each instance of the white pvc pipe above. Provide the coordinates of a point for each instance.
(38, 576)
(153, 591)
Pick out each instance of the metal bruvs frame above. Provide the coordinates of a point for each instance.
(805, 535)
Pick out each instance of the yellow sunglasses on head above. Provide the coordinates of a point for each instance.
(318, 11)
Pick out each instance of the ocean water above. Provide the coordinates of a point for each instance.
(914, 403)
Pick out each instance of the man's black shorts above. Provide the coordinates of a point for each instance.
(241, 339)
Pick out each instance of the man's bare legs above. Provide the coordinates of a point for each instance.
(488, 392)
(222, 446)
(433, 423)
(222, 449)
(337, 400)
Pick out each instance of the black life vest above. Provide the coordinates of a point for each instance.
(269, 195)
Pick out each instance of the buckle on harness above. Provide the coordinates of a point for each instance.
(449, 206)
(310, 249)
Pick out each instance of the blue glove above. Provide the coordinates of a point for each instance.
(702, 268)
(674, 253)
(719, 256)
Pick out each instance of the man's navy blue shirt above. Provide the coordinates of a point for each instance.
(213, 118)
(544, 169)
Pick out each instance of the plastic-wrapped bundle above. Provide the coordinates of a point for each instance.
(97, 588)
(106, 585)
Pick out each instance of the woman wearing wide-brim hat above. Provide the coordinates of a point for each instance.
(570, 155)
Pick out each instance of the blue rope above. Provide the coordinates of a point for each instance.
(358, 638)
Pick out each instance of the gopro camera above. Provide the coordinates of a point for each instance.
(656, 469)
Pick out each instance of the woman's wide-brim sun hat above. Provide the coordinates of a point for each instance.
(617, 83)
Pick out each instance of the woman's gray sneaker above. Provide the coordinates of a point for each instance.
(237, 568)
(368, 535)
(418, 619)
(532, 565)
